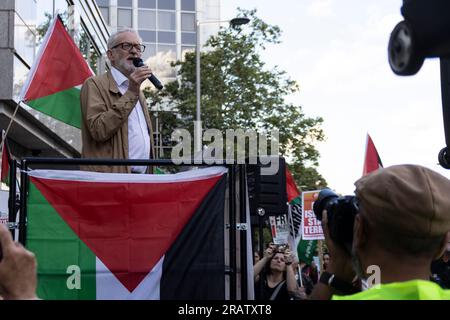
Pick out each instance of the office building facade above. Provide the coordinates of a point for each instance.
(167, 27)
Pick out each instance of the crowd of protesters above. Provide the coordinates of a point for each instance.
(401, 231)
(402, 227)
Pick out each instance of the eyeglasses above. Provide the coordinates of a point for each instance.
(128, 46)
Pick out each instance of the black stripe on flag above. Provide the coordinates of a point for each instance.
(296, 214)
(194, 266)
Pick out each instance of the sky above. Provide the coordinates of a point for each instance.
(337, 52)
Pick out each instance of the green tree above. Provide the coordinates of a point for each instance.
(240, 92)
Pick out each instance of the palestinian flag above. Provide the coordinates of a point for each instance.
(306, 250)
(55, 79)
(6, 159)
(372, 160)
(127, 236)
(295, 209)
(291, 187)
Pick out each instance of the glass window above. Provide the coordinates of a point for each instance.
(147, 19)
(166, 54)
(27, 11)
(188, 5)
(188, 22)
(125, 3)
(105, 13)
(166, 4)
(147, 36)
(87, 49)
(24, 40)
(151, 4)
(171, 49)
(102, 3)
(124, 18)
(61, 6)
(188, 38)
(166, 37)
(20, 76)
(166, 20)
(150, 51)
(44, 16)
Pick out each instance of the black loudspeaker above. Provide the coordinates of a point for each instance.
(267, 193)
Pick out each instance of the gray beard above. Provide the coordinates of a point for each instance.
(125, 68)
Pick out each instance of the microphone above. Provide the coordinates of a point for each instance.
(139, 63)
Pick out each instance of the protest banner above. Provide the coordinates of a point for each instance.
(311, 227)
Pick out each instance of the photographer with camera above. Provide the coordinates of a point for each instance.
(274, 275)
(396, 225)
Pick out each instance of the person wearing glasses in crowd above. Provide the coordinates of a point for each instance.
(115, 119)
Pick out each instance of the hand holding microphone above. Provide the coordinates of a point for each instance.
(139, 63)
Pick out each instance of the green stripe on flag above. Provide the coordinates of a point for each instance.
(63, 105)
(306, 250)
(57, 248)
(296, 201)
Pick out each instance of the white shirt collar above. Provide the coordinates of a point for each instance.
(119, 77)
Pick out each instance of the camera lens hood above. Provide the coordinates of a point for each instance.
(325, 195)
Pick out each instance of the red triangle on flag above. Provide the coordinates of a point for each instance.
(372, 160)
(128, 226)
(291, 187)
(59, 65)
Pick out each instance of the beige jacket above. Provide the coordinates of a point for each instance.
(104, 127)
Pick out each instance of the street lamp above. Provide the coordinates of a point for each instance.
(198, 125)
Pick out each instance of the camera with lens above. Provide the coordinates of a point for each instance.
(341, 212)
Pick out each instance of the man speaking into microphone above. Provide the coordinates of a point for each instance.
(115, 119)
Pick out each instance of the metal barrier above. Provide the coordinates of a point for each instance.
(237, 199)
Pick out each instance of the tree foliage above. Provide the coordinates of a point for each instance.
(240, 92)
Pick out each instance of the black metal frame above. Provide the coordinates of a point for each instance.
(444, 156)
(234, 171)
(12, 198)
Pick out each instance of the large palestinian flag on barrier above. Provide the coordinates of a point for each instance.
(125, 236)
(55, 79)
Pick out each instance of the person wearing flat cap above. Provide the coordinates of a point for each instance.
(402, 225)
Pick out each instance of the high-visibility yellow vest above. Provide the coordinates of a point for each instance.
(409, 290)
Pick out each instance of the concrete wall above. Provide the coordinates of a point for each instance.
(6, 48)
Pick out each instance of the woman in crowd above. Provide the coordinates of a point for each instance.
(274, 275)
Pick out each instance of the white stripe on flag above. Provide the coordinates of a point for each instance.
(110, 288)
(191, 175)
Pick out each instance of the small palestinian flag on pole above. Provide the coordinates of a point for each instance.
(291, 186)
(372, 159)
(295, 200)
(6, 160)
(294, 211)
(124, 236)
(55, 79)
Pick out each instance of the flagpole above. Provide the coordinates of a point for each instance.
(291, 225)
(10, 123)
